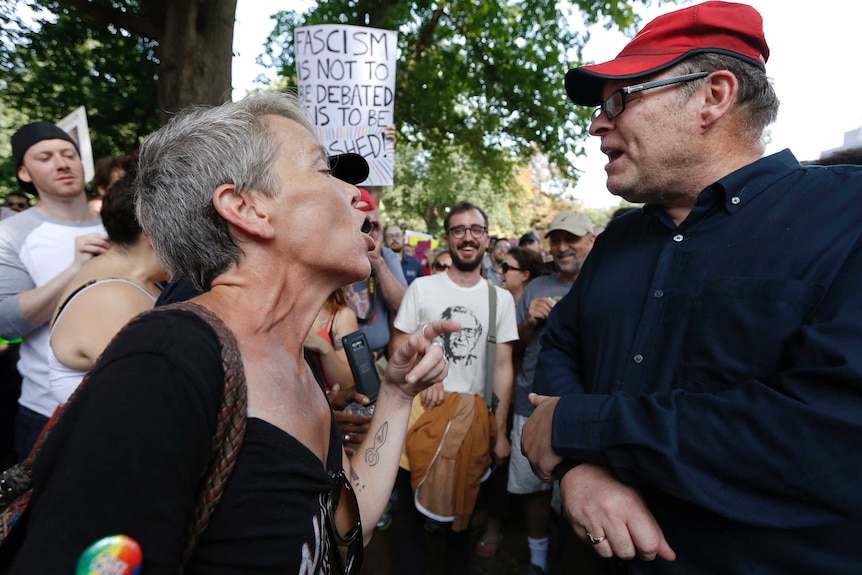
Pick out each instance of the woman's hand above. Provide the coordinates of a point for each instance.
(419, 361)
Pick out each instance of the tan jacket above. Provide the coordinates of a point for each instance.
(449, 449)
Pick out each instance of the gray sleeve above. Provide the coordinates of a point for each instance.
(14, 279)
(394, 265)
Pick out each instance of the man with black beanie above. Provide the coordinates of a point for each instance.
(41, 250)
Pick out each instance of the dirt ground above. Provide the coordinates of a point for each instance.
(576, 557)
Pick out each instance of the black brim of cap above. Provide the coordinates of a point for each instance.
(584, 85)
(351, 168)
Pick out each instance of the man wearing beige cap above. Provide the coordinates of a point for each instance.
(700, 383)
(571, 238)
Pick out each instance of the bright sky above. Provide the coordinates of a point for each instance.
(814, 64)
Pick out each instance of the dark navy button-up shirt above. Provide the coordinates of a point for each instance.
(717, 366)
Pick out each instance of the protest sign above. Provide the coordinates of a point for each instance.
(76, 125)
(346, 78)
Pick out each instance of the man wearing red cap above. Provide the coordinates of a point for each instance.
(700, 383)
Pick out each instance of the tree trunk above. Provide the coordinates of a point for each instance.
(195, 54)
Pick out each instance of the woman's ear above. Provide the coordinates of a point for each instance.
(244, 210)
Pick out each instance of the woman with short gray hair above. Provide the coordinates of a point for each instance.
(233, 199)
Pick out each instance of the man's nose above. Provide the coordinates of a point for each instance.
(599, 124)
(62, 162)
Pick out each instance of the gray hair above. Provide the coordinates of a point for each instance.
(756, 99)
(182, 164)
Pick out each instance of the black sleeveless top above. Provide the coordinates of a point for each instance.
(128, 454)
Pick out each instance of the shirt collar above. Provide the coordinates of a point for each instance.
(736, 189)
(746, 183)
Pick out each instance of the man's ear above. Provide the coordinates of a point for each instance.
(24, 174)
(721, 89)
(244, 210)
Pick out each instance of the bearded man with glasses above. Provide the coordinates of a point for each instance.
(462, 294)
(700, 399)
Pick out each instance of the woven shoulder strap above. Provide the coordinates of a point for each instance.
(230, 429)
(16, 482)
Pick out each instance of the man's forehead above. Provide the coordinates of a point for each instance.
(469, 217)
(52, 145)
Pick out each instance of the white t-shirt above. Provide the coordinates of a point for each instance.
(436, 297)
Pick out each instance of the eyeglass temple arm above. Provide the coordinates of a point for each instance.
(664, 82)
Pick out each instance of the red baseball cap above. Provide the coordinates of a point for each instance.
(715, 27)
(366, 202)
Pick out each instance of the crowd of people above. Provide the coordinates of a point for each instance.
(679, 390)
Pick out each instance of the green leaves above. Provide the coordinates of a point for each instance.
(480, 91)
(67, 59)
(485, 75)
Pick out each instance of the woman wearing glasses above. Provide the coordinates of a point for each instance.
(519, 267)
(442, 261)
(228, 196)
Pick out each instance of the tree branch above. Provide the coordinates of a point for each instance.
(425, 39)
(142, 25)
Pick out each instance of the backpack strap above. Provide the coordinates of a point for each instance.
(492, 347)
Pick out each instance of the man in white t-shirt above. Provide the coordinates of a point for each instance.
(460, 294)
(41, 250)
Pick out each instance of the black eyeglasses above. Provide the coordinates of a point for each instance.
(615, 104)
(506, 267)
(441, 266)
(344, 527)
(476, 231)
(22, 204)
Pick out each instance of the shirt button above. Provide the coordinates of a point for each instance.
(638, 358)
(677, 238)
(658, 293)
(735, 200)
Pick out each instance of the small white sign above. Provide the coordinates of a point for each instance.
(75, 124)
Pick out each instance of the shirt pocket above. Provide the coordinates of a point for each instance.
(738, 329)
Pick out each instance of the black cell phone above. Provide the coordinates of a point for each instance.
(361, 364)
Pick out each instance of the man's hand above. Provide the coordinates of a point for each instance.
(539, 309)
(352, 426)
(502, 448)
(339, 398)
(432, 396)
(375, 255)
(536, 437)
(87, 247)
(598, 504)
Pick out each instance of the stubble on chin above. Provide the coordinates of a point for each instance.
(464, 265)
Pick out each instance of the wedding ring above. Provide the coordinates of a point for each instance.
(347, 440)
(422, 331)
(594, 540)
(437, 343)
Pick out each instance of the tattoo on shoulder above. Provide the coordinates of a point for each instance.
(372, 454)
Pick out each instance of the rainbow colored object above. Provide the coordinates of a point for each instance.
(113, 555)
